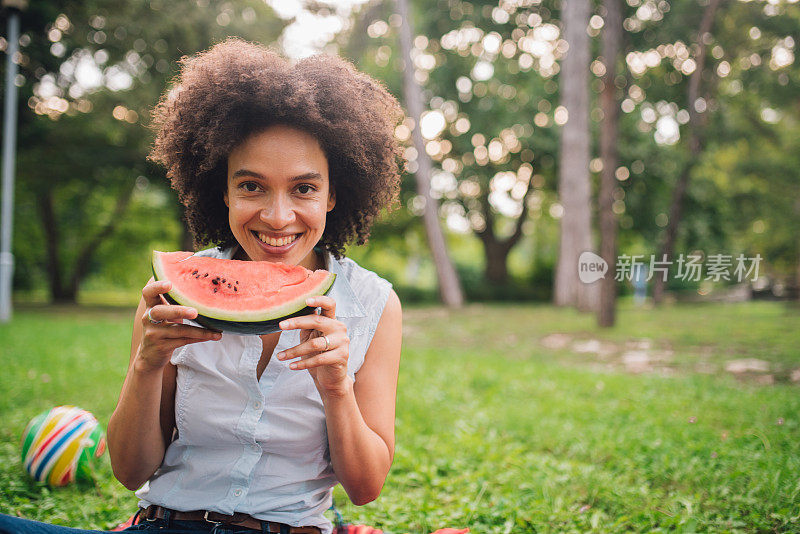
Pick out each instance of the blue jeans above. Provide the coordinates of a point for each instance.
(16, 525)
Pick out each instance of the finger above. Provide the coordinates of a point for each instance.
(332, 357)
(323, 323)
(315, 345)
(153, 290)
(169, 312)
(177, 331)
(326, 303)
(161, 337)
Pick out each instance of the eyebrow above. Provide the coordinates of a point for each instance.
(314, 176)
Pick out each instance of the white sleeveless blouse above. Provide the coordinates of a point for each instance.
(259, 446)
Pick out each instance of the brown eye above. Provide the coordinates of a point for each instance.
(304, 189)
(250, 187)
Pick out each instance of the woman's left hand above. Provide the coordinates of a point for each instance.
(324, 346)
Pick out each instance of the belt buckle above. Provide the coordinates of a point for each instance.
(207, 520)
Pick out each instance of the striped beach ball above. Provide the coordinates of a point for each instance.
(62, 445)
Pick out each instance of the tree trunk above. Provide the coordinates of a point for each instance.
(675, 213)
(574, 186)
(695, 141)
(496, 250)
(89, 249)
(496, 262)
(609, 135)
(67, 293)
(55, 276)
(497, 267)
(449, 285)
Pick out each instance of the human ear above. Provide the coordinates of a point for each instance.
(225, 197)
(331, 198)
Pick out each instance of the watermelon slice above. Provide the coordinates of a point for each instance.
(244, 297)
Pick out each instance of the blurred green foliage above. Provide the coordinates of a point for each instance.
(747, 202)
(88, 202)
(489, 69)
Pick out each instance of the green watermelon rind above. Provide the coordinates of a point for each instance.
(243, 327)
(251, 322)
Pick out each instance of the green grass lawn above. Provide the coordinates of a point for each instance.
(510, 419)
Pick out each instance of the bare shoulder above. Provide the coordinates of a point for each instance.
(388, 333)
(384, 348)
(392, 311)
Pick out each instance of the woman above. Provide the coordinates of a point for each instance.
(282, 163)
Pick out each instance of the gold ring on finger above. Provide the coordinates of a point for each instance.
(327, 342)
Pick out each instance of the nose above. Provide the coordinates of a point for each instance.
(279, 213)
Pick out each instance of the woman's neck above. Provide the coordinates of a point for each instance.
(315, 260)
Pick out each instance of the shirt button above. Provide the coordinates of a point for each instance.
(237, 493)
(257, 405)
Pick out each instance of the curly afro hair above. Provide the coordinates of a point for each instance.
(237, 89)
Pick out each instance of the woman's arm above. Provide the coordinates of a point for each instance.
(360, 416)
(142, 423)
(361, 419)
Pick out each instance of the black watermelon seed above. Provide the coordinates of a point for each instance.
(205, 275)
(215, 290)
(215, 281)
(229, 285)
(235, 289)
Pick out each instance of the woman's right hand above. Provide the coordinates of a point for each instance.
(162, 328)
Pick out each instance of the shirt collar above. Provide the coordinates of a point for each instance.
(347, 303)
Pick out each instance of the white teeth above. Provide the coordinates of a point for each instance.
(271, 241)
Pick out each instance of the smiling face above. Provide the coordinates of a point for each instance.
(278, 196)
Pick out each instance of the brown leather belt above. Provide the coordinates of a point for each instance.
(154, 512)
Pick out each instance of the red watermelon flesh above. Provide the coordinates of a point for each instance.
(251, 295)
